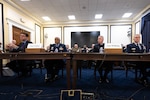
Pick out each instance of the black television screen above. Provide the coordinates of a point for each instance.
(84, 38)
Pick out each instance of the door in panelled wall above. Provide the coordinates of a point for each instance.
(16, 34)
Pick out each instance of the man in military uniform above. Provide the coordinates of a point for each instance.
(53, 66)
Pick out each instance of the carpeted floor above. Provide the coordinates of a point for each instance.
(34, 87)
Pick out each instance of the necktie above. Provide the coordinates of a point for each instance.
(139, 46)
(22, 45)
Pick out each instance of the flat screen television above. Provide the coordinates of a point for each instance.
(84, 38)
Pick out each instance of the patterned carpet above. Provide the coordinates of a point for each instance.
(34, 87)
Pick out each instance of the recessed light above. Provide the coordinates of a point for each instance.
(46, 18)
(71, 17)
(25, 0)
(126, 15)
(98, 16)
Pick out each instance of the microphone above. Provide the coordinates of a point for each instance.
(144, 48)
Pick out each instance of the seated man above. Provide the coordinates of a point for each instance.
(84, 49)
(53, 66)
(75, 48)
(137, 47)
(9, 45)
(92, 47)
(91, 62)
(19, 65)
(102, 65)
(68, 49)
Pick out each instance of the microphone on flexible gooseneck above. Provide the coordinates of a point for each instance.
(144, 48)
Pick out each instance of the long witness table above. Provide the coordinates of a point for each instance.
(38, 56)
(106, 57)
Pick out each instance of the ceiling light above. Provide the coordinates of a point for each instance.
(71, 17)
(98, 16)
(46, 18)
(126, 15)
(25, 0)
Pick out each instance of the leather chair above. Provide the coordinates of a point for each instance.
(38, 64)
(28, 68)
(111, 71)
(131, 67)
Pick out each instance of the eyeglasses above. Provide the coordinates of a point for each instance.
(22, 35)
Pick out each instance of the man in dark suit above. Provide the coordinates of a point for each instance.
(53, 66)
(91, 62)
(92, 47)
(137, 47)
(19, 65)
(102, 65)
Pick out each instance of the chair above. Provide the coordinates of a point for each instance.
(28, 68)
(93, 64)
(16, 66)
(118, 65)
(38, 64)
(125, 66)
(80, 65)
(62, 69)
(33, 64)
(131, 66)
(95, 69)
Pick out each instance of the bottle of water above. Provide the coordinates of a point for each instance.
(101, 50)
(56, 49)
(51, 49)
(87, 50)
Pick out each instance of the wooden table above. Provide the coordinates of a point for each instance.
(74, 57)
(38, 56)
(106, 57)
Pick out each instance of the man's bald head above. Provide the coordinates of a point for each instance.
(57, 40)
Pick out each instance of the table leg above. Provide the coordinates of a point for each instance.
(68, 73)
(74, 74)
(1, 66)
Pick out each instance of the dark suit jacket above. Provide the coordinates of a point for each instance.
(133, 48)
(60, 48)
(21, 47)
(91, 50)
(107, 64)
(142, 65)
(21, 63)
(97, 47)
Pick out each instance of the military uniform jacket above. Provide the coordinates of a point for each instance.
(58, 48)
(134, 48)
